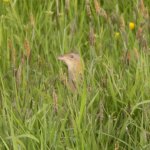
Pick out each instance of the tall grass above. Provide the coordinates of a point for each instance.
(110, 111)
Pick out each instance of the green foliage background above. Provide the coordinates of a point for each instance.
(111, 110)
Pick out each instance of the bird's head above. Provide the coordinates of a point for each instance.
(72, 60)
(75, 68)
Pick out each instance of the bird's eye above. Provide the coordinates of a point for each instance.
(71, 56)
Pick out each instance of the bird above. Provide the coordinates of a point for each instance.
(75, 65)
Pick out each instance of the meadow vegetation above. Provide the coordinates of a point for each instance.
(111, 111)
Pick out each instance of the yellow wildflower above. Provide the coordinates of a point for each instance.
(132, 25)
(117, 34)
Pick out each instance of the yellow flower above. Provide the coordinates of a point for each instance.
(117, 34)
(132, 25)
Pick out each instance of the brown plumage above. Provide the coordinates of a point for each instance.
(75, 69)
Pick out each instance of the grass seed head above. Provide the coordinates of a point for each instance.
(55, 101)
(139, 33)
(122, 23)
(136, 53)
(97, 7)
(32, 20)
(91, 36)
(141, 6)
(13, 53)
(88, 9)
(27, 48)
(101, 111)
(67, 4)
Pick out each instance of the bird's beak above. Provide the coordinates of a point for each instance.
(62, 58)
